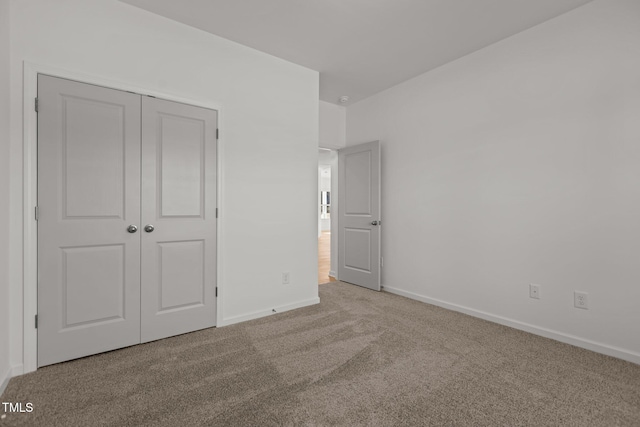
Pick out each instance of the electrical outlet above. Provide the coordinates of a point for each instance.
(534, 291)
(581, 300)
(285, 278)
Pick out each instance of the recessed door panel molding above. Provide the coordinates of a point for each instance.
(126, 219)
(357, 249)
(181, 275)
(88, 194)
(93, 284)
(179, 255)
(180, 151)
(357, 182)
(97, 154)
(359, 220)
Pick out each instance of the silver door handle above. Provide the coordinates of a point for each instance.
(376, 222)
(149, 228)
(132, 228)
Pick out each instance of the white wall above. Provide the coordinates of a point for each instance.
(4, 194)
(332, 125)
(520, 164)
(269, 137)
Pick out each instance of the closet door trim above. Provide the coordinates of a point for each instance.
(24, 269)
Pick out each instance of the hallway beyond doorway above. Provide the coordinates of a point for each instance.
(324, 258)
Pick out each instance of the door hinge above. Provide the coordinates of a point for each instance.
(217, 133)
(36, 213)
(36, 105)
(216, 212)
(216, 291)
(36, 321)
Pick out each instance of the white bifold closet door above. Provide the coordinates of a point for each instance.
(126, 227)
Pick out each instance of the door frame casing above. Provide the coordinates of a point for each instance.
(30, 192)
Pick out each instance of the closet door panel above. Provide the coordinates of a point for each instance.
(178, 217)
(88, 196)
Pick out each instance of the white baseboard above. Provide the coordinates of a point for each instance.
(268, 312)
(333, 274)
(4, 379)
(620, 353)
(17, 370)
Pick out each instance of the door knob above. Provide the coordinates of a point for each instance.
(375, 222)
(132, 228)
(149, 228)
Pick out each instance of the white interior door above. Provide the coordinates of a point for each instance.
(88, 195)
(359, 215)
(179, 202)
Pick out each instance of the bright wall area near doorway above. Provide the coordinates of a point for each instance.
(333, 125)
(332, 136)
(328, 163)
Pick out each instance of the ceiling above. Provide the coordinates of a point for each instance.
(361, 47)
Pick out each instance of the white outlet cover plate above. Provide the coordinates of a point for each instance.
(534, 291)
(581, 300)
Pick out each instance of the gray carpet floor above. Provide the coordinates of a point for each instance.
(357, 358)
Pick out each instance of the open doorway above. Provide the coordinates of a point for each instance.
(327, 192)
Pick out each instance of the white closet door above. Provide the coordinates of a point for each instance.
(178, 218)
(88, 195)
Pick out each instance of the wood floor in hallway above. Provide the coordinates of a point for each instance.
(324, 258)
